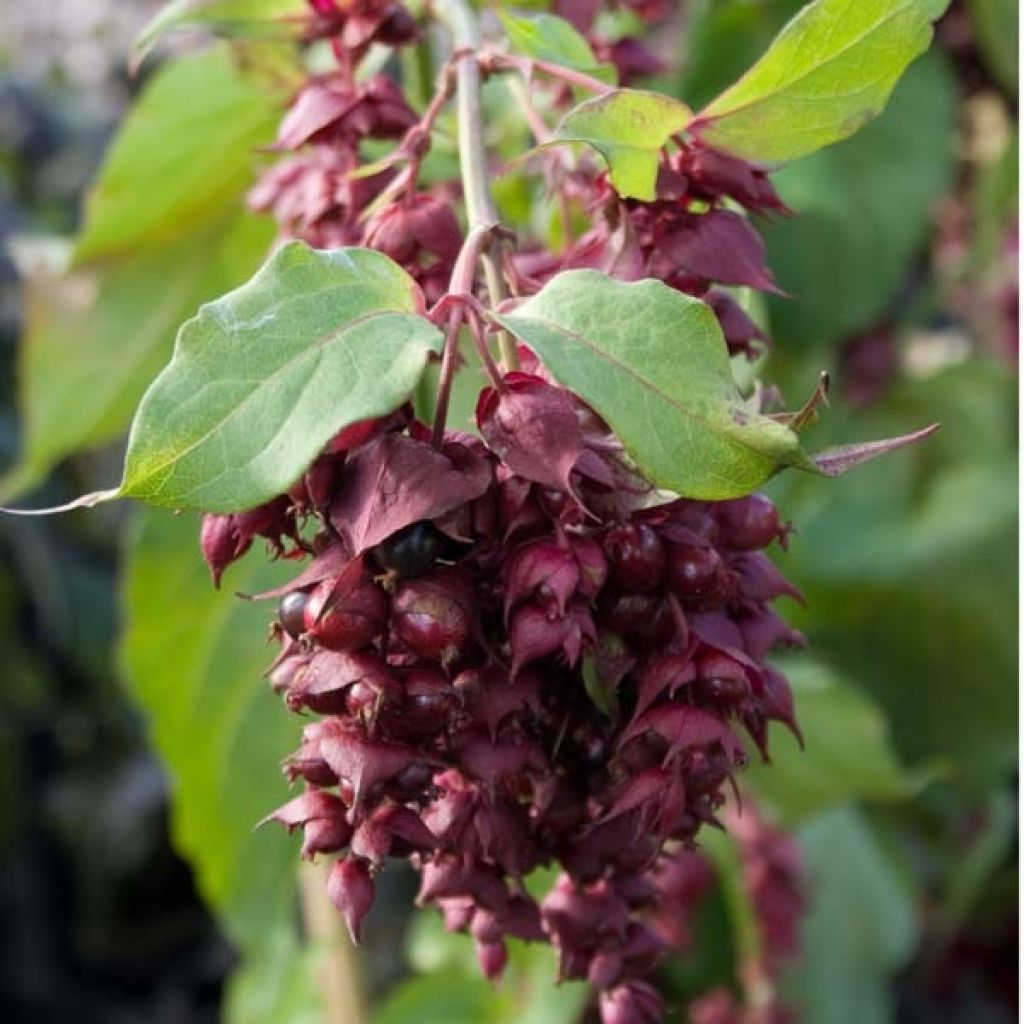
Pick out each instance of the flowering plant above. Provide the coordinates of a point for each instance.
(537, 637)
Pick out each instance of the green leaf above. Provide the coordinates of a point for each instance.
(653, 363)
(193, 658)
(865, 210)
(96, 338)
(263, 378)
(848, 754)
(722, 40)
(627, 127)
(550, 38)
(860, 930)
(829, 71)
(184, 155)
(225, 17)
(165, 231)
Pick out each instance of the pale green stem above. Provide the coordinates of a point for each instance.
(480, 209)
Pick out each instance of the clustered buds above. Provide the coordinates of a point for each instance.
(516, 663)
(515, 653)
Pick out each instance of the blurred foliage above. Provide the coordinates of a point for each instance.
(905, 239)
(193, 657)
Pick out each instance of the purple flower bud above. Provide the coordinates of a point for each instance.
(493, 959)
(391, 827)
(545, 571)
(593, 566)
(534, 634)
(350, 888)
(327, 679)
(635, 1002)
(221, 543)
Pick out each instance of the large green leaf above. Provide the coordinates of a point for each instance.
(185, 153)
(627, 127)
(653, 363)
(848, 755)
(193, 658)
(865, 208)
(829, 71)
(721, 39)
(860, 929)
(263, 378)
(96, 338)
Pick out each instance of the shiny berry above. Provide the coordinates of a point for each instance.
(410, 552)
(291, 612)
(695, 573)
(636, 557)
(749, 523)
(431, 616)
(345, 620)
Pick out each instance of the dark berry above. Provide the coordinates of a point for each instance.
(659, 628)
(410, 552)
(431, 616)
(749, 523)
(291, 612)
(636, 557)
(695, 573)
(347, 620)
(397, 27)
(627, 613)
(427, 704)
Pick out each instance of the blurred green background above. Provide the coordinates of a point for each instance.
(139, 745)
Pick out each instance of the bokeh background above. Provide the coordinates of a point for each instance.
(138, 745)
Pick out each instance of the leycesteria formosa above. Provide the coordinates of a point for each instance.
(541, 638)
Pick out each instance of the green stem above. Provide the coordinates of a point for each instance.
(480, 208)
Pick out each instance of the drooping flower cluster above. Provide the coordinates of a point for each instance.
(518, 658)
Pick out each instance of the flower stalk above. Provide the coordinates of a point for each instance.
(480, 207)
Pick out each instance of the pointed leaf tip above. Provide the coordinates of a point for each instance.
(836, 461)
